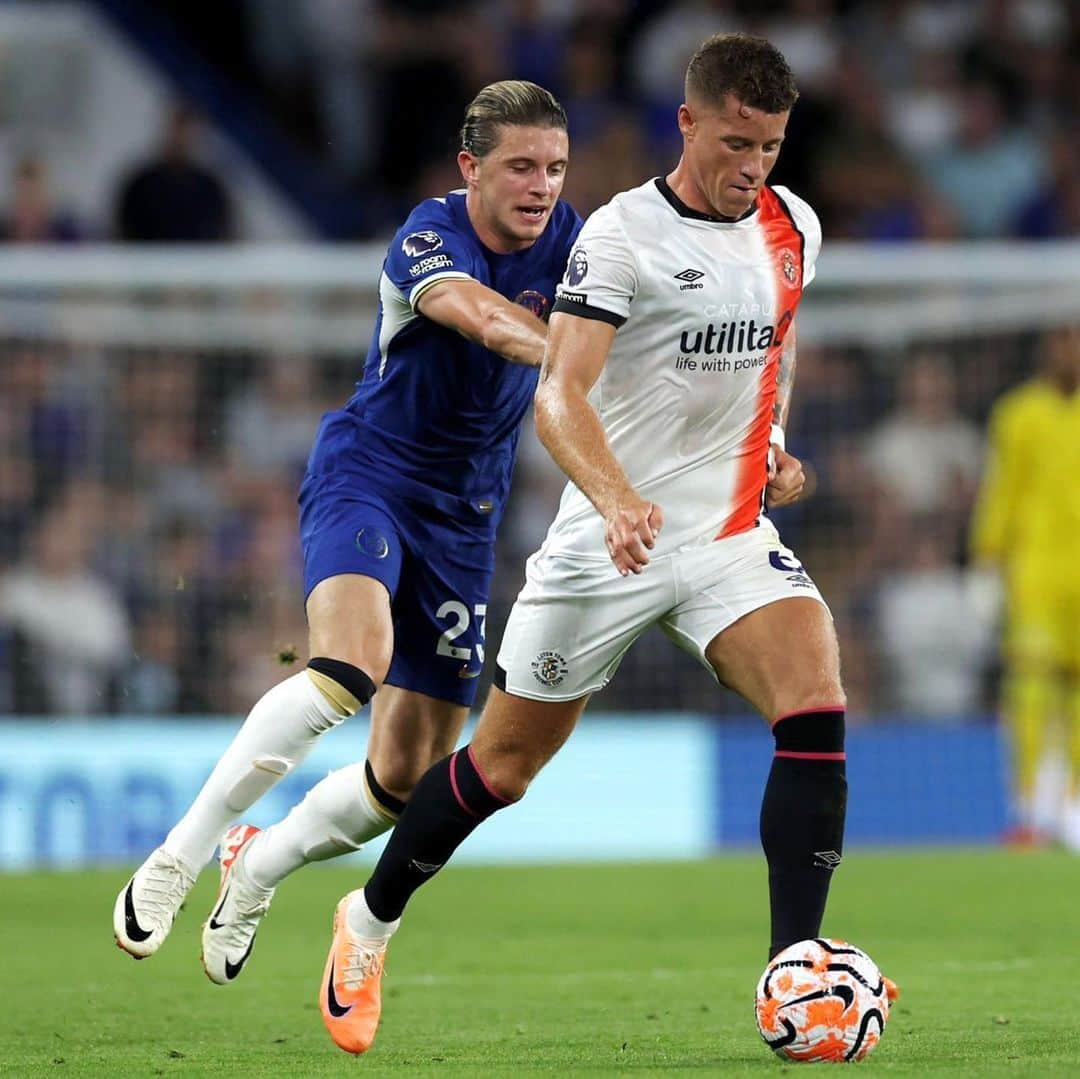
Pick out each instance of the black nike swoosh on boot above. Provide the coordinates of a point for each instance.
(232, 969)
(134, 931)
(214, 923)
(335, 1009)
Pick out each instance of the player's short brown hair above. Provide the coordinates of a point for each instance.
(514, 102)
(750, 68)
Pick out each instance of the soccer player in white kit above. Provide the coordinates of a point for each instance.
(663, 396)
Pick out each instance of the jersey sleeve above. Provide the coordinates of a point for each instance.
(601, 273)
(806, 221)
(426, 250)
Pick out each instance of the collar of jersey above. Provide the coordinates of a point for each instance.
(683, 210)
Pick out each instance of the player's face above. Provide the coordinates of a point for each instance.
(513, 188)
(729, 151)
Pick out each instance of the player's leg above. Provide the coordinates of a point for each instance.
(342, 812)
(350, 641)
(594, 616)
(439, 608)
(784, 660)
(349, 585)
(409, 732)
(1031, 695)
(278, 733)
(440, 616)
(1068, 632)
(753, 615)
(538, 697)
(513, 740)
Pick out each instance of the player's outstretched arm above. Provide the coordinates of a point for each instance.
(482, 315)
(572, 432)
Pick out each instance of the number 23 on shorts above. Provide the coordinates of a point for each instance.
(457, 613)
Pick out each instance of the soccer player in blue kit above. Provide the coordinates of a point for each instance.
(399, 508)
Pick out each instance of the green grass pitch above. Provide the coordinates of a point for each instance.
(576, 970)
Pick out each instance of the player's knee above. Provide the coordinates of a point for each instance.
(824, 694)
(510, 784)
(346, 686)
(371, 657)
(508, 773)
(399, 767)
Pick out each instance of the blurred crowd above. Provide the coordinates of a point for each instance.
(149, 561)
(908, 109)
(148, 526)
(908, 106)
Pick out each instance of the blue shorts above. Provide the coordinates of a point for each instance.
(437, 570)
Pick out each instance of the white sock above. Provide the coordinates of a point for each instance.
(364, 924)
(278, 733)
(338, 815)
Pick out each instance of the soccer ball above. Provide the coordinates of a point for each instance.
(822, 1000)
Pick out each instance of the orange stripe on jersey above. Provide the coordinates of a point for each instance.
(784, 244)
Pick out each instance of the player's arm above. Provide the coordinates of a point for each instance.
(483, 316)
(785, 383)
(572, 432)
(992, 519)
(786, 476)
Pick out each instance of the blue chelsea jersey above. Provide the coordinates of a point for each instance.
(435, 412)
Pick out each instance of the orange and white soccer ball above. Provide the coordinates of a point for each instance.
(822, 1000)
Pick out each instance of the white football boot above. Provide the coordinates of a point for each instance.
(229, 933)
(148, 904)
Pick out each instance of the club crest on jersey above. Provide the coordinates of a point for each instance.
(578, 268)
(421, 243)
(533, 301)
(549, 668)
(789, 267)
(372, 542)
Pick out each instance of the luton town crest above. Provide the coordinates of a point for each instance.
(549, 668)
(789, 267)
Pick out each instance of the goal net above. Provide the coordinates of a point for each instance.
(156, 409)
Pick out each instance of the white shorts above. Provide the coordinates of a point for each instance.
(575, 618)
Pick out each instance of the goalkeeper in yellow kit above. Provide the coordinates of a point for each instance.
(1027, 529)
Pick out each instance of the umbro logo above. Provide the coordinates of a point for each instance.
(426, 867)
(691, 278)
(826, 859)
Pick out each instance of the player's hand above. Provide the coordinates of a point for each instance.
(786, 478)
(630, 532)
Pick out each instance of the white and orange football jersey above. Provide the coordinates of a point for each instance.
(686, 395)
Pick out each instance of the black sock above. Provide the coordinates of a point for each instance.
(450, 800)
(802, 821)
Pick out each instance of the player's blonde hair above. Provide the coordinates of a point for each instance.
(751, 68)
(514, 102)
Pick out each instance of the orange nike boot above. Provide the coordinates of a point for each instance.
(351, 996)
